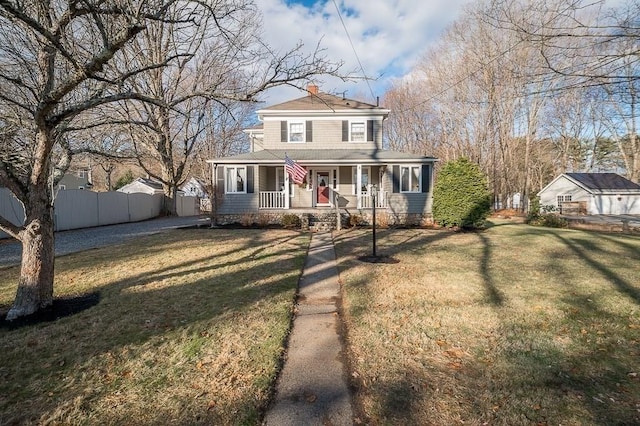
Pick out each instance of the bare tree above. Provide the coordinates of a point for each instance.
(60, 61)
(222, 59)
(585, 45)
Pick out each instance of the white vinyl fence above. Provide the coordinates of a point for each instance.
(78, 208)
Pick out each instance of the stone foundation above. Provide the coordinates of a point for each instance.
(308, 220)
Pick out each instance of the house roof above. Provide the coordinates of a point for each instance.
(150, 183)
(323, 157)
(322, 102)
(598, 183)
(603, 181)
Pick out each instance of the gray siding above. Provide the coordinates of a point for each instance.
(327, 134)
(239, 203)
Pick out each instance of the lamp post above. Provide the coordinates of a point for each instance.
(373, 200)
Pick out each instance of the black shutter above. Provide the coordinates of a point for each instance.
(395, 178)
(284, 137)
(426, 178)
(309, 127)
(249, 179)
(370, 131)
(345, 131)
(220, 178)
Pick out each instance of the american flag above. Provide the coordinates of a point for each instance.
(294, 170)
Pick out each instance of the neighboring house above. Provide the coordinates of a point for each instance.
(338, 142)
(146, 186)
(195, 187)
(77, 180)
(592, 193)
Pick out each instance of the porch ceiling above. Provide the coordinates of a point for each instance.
(310, 157)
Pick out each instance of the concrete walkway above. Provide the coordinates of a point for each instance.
(312, 388)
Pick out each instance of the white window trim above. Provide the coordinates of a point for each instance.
(354, 176)
(226, 179)
(351, 123)
(304, 131)
(310, 179)
(410, 166)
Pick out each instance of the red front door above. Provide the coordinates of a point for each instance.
(323, 188)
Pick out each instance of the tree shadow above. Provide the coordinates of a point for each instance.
(494, 295)
(584, 249)
(141, 308)
(591, 381)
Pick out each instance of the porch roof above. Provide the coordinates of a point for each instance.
(310, 157)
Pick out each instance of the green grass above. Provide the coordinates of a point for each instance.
(189, 329)
(515, 325)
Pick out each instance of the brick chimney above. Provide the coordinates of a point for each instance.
(312, 89)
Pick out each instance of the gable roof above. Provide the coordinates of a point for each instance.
(603, 181)
(150, 183)
(322, 102)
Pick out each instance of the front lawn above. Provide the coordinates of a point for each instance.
(185, 327)
(515, 325)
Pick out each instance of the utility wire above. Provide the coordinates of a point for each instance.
(364, 74)
(461, 79)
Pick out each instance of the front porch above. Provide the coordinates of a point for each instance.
(354, 187)
(277, 200)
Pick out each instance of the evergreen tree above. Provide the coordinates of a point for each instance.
(461, 197)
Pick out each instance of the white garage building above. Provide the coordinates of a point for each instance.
(592, 193)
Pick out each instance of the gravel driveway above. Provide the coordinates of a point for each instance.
(89, 238)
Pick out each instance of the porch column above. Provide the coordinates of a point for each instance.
(359, 185)
(286, 190)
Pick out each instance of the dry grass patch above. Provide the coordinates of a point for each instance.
(189, 329)
(514, 325)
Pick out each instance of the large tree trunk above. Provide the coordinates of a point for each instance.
(35, 285)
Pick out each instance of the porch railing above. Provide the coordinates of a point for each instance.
(365, 201)
(272, 200)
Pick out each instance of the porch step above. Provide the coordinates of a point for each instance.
(322, 222)
(322, 226)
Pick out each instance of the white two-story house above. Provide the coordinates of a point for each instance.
(338, 142)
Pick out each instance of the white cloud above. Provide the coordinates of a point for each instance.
(389, 36)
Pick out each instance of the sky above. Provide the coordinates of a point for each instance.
(389, 37)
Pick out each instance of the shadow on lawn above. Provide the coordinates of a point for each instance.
(539, 374)
(125, 313)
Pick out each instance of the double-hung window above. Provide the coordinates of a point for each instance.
(236, 180)
(296, 131)
(358, 131)
(410, 179)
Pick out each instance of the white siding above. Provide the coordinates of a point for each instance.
(615, 204)
(563, 186)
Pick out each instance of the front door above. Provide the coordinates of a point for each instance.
(322, 190)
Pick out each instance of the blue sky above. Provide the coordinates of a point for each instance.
(389, 37)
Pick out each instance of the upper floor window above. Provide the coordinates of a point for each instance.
(236, 179)
(357, 131)
(296, 131)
